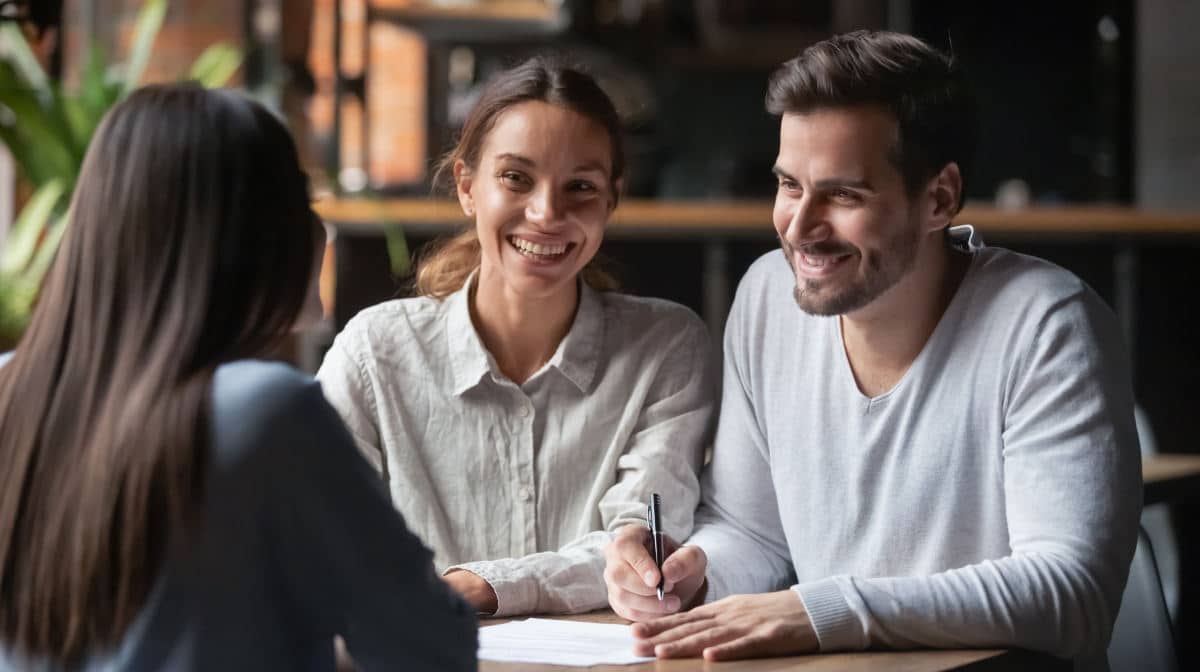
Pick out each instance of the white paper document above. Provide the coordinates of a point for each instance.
(551, 642)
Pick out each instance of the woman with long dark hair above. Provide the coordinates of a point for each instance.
(167, 500)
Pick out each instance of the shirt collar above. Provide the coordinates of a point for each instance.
(578, 355)
(576, 358)
(469, 360)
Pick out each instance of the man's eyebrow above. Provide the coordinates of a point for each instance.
(835, 182)
(779, 172)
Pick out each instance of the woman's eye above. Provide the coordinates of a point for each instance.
(788, 185)
(513, 179)
(844, 195)
(582, 186)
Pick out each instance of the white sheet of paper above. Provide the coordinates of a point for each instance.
(551, 642)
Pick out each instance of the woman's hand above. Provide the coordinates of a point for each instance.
(477, 592)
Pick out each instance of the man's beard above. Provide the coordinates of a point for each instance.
(883, 270)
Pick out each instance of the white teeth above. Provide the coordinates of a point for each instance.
(537, 248)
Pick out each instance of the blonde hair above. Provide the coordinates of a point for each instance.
(446, 265)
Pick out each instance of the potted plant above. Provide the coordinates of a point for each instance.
(47, 130)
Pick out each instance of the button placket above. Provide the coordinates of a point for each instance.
(523, 428)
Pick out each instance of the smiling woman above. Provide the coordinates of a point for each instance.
(522, 410)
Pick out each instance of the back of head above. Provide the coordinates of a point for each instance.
(190, 243)
(926, 91)
(544, 79)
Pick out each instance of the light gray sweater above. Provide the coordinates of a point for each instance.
(991, 498)
(298, 543)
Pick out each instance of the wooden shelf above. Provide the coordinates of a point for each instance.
(752, 219)
(506, 10)
(485, 20)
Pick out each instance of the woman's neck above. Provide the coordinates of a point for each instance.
(521, 333)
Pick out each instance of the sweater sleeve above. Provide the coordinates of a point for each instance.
(663, 455)
(349, 561)
(738, 525)
(1072, 484)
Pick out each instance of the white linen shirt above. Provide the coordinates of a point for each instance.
(525, 483)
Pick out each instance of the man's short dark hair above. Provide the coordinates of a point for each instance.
(925, 89)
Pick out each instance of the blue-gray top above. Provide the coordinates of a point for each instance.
(298, 543)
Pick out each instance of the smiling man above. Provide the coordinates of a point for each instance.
(923, 442)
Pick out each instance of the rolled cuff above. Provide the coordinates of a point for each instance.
(836, 625)
(513, 597)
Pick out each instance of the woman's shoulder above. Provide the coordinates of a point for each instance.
(265, 382)
(416, 311)
(649, 309)
(650, 316)
(257, 404)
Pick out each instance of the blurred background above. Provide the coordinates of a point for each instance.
(1089, 153)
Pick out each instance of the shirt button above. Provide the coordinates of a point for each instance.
(526, 493)
(523, 411)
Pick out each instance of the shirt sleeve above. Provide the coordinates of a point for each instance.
(350, 562)
(347, 388)
(738, 525)
(663, 455)
(1072, 483)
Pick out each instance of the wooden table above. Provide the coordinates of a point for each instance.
(1169, 476)
(874, 661)
(1166, 477)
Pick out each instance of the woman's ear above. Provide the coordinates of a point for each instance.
(945, 191)
(462, 184)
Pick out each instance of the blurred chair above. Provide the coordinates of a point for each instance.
(1156, 521)
(1142, 639)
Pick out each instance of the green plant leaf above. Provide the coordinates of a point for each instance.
(149, 22)
(28, 229)
(46, 252)
(216, 65)
(16, 305)
(397, 248)
(97, 91)
(21, 56)
(45, 149)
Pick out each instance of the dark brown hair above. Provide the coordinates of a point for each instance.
(926, 90)
(190, 243)
(443, 270)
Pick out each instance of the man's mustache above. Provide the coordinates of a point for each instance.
(822, 249)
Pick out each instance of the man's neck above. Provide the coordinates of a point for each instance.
(884, 338)
(521, 333)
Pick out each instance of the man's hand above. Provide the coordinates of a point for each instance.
(632, 578)
(477, 592)
(739, 626)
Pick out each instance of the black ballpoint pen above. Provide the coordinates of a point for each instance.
(656, 536)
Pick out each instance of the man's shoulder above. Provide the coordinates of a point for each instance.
(770, 267)
(769, 279)
(1013, 278)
